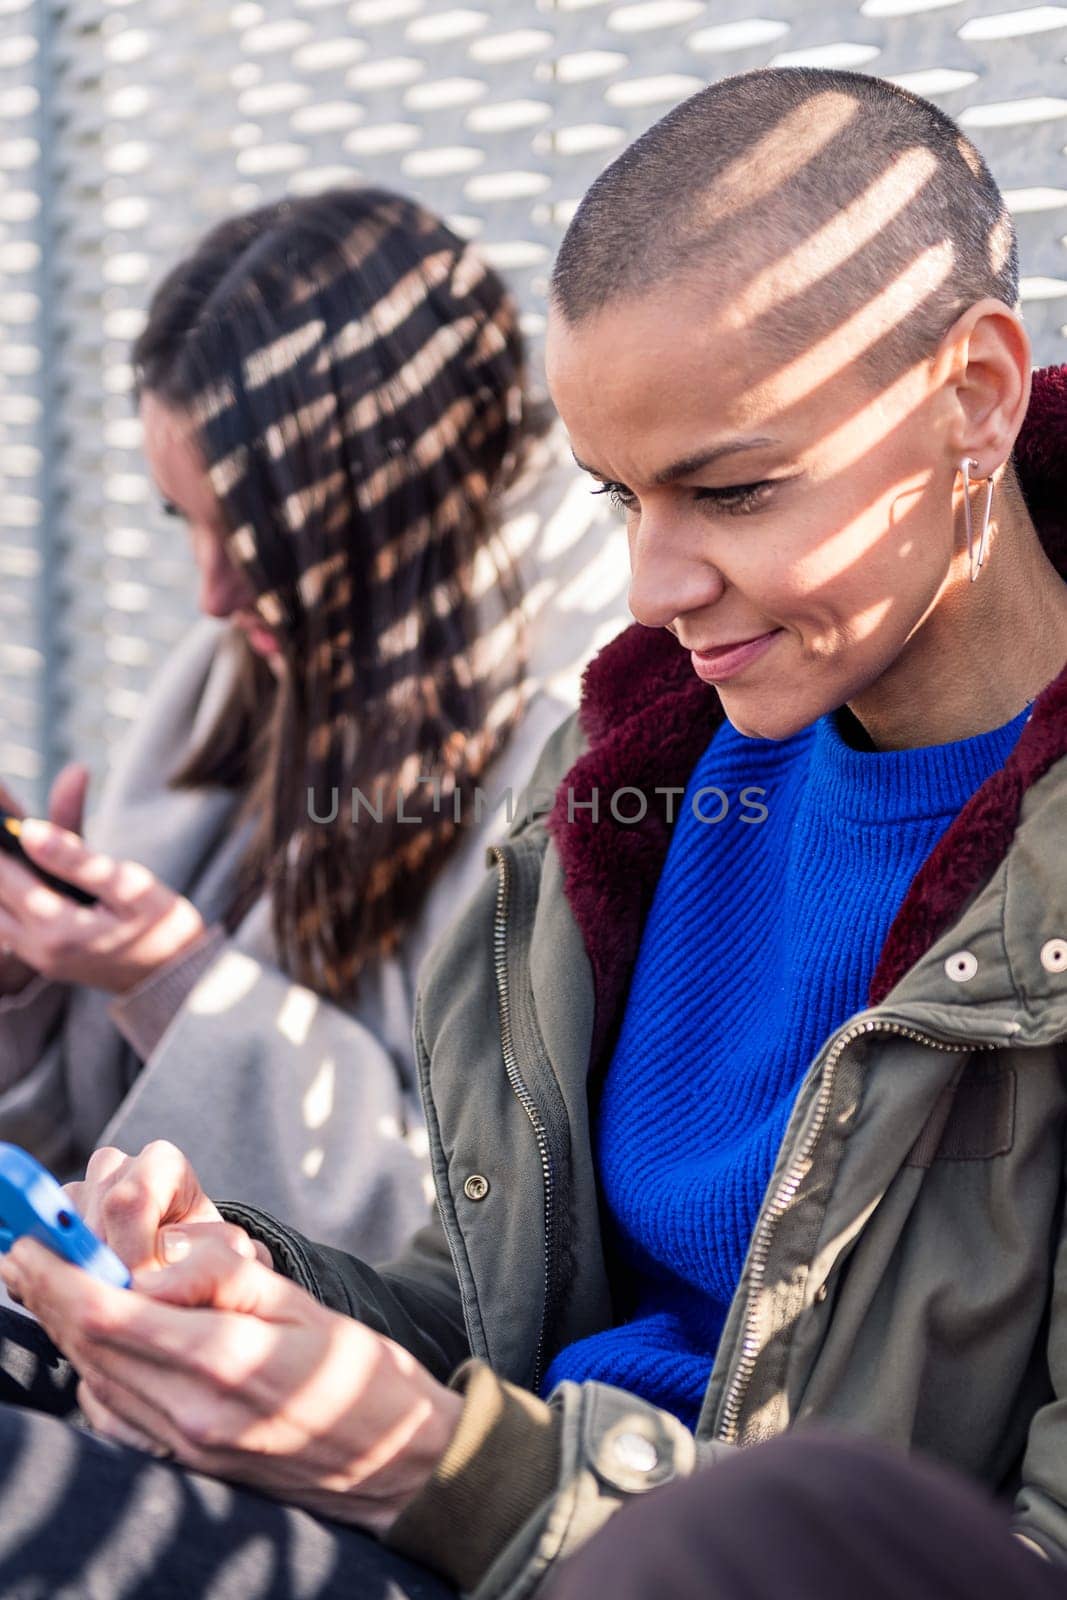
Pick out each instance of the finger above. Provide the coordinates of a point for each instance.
(85, 1196)
(66, 802)
(17, 882)
(211, 1274)
(111, 1424)
(175, 1243)
(66, 856)
(76, 1310)
(165, 1370)
(176, 1417)
(9, 1276)
(145, 1194)
(105, 1160)
(45, 913)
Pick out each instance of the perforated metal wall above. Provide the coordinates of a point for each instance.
(126, 128)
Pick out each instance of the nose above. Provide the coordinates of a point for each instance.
(670, 573)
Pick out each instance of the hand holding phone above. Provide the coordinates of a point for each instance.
(10, 844)
(66, 808)
(126, 925)
(32, 1203)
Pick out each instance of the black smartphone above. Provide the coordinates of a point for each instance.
(11, 845)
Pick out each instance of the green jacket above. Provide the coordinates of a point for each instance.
(907, 1276)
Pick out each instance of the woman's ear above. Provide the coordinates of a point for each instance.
(987, 360)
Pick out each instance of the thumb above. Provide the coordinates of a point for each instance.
(212, 1274)
(66, 802)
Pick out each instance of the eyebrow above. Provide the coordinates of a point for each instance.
(694, 463)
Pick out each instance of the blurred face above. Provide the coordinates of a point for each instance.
(181, 476)
(769, 497)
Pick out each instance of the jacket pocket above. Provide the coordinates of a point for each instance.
(973, 1118)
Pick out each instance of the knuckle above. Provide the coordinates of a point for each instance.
(160, 1152)
(215, 1256)
(219, 1367)
(126, 1197)
(57, 945)
(90, 1405)
(103, 1162)
(202, 1426)
(230, 1364)
(93, 1395)
(95, 1325)
(235, 1238)
(133, 884)
(17, 1255)
(206, 1364)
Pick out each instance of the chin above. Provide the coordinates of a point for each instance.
(773, 722)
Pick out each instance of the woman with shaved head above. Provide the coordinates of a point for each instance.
(744, 1069)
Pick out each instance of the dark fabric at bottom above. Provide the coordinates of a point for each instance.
(812, 1516)
(83, 1519)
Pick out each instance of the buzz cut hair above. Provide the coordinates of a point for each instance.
(757, 169)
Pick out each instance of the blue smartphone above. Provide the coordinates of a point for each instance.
(32, 1202)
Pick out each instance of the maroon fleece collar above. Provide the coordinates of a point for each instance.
(648, 719)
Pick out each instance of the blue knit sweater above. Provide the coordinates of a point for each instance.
(762, 939)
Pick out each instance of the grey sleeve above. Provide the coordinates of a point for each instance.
(144, 1014)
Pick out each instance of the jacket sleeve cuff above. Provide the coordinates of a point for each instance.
(20, 999)
(144, 1014)
(500, 1466)
(27, 1020)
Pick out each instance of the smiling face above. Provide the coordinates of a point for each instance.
(181, 476)
(765, 493)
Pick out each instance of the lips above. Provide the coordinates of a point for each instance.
(712, 652)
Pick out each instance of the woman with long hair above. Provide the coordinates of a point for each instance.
(332, 397)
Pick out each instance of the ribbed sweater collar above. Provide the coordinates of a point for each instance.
(883, 786)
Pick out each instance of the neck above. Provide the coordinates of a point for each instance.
(983, 649)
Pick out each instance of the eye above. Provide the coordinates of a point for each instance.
(739, 498)
(618, 494)
(736, 499)
(170, 509)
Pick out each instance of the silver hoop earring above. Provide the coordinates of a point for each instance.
(966, 463)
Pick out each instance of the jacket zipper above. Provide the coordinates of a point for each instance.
(519, 1089)
(741, 1376)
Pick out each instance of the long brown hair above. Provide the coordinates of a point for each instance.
(354, 372)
